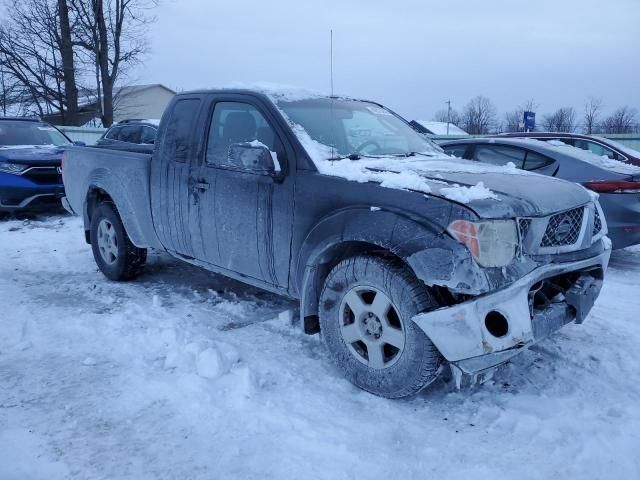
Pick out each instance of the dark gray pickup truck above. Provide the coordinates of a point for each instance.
(403, 257)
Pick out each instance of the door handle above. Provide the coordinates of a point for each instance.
(200, 186)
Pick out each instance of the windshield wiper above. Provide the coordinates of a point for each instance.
(354, 156)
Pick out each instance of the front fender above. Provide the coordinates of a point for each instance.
(434, 257)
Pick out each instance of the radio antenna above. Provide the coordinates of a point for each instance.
(331, 33)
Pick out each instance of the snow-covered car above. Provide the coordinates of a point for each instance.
(403, 257)
(616, 183)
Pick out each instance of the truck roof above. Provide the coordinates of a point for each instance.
(274, 93)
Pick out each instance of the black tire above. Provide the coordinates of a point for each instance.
(417, 364)
(129, 260)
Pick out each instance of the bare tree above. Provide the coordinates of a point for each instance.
(443, 116)
(562, 120)
(514, 118)
(621, 121)
(113, 35)
(36, 54)
(479, 116)
(592, 109)
(9, 90)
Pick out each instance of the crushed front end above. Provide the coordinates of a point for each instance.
(556, 277)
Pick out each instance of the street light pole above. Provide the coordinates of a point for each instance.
(448, 102)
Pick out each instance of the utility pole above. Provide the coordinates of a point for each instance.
(448, 102)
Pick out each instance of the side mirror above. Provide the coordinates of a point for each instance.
(78, 143)
(255, 157)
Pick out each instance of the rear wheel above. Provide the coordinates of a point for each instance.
(366, 310)
(115, 255)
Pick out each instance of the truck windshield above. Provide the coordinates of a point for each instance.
(353, 127)
(22, 133)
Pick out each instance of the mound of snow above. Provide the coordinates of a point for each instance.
(463, 194)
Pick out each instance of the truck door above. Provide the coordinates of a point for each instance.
(244, 216)
(170, 188)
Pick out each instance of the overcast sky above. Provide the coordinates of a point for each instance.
(411, 55)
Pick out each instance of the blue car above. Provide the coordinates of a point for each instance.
(30, 164)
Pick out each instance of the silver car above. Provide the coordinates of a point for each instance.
(617, 183)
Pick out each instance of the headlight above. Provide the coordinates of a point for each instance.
(12, 167)
(492, 243)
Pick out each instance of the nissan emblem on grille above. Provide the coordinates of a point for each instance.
(563, 228)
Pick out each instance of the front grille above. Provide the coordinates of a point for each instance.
(44, 175)
(563, 228)
(597, 223)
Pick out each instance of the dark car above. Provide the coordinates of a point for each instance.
(617, 183)
(403, 256)
(133, 131)
(597, 145)
(30, 169)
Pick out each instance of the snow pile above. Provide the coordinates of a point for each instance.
(462, 194)
(210, 380)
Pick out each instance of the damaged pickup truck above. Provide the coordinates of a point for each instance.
(404, 258)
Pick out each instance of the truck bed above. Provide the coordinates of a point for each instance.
(124, 174)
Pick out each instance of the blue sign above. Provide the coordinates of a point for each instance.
(529, 121)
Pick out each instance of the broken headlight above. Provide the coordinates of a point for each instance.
(492, 243)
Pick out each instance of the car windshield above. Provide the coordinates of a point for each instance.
(23, 133)
(352, 127)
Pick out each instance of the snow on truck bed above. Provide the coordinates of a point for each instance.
(184, 374)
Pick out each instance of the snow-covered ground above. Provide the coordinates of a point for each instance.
(186, 375)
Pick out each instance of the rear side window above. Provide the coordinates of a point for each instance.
(130, 134)
(180, 128)
(455, 150)
(596, 149)
(113, 133)
(499, 155)
(148, 135)
(535, 160)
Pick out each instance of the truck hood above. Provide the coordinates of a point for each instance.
(35, 155)
(517, 195)
(508, 192)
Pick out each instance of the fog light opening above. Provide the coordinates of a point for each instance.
(496, 323)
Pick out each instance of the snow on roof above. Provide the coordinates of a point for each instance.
(440, 128)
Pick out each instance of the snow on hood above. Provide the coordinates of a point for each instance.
(593, 159)
(31, 154)
(26, 147)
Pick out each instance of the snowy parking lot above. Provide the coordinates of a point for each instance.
(184, 374)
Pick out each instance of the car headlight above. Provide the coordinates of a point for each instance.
(12, 167)
(492, 243)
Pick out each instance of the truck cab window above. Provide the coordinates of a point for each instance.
(236, 122)
(180, 128)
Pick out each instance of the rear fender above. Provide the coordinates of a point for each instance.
(104, 182)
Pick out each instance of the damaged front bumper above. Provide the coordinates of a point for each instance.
(488, 330)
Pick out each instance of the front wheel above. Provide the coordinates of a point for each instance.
(366, 310)
(117, 258)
